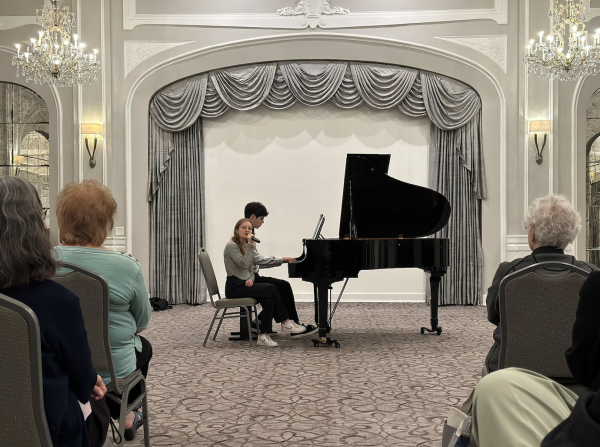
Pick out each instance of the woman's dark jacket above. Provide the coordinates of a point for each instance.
(67, 369)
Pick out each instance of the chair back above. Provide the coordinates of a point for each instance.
(22, 417)
(92, 291)
(537, 312)
(209, 275)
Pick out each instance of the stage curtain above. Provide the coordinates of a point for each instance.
(176, 191)
(456, 157)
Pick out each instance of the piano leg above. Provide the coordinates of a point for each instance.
(316, 293)
(322, 293)
(434, 281)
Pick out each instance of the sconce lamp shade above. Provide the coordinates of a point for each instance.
(91, 129)
(539, 126)
(19, 159)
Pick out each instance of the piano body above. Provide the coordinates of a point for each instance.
(382, 224)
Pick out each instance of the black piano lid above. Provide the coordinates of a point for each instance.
(385, 207)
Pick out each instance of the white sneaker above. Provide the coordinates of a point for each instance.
(292, 328)
(265, 340)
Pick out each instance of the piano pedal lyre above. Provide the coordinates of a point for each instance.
(325, 341)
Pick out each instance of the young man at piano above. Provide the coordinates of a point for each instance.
(256, 213)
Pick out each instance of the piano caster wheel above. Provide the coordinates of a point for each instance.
(437, 330)
(325, 341)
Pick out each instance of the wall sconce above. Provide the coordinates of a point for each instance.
(535, 127)
(19, 160)
(91, 129)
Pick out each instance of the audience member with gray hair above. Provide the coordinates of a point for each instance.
(552, 223)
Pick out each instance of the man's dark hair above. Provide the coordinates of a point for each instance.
(256, 208)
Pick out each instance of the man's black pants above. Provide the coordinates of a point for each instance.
(285, 291)
(267, 296)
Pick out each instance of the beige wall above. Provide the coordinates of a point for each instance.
(479, 43)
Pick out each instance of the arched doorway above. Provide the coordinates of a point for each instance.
(24, 138)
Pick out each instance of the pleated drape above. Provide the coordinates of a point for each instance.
(177, 222)
(456, 156)
(462, 283)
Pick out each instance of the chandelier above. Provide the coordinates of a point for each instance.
(54, 58)
(567, 53)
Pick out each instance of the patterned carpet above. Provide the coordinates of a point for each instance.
(387, 385)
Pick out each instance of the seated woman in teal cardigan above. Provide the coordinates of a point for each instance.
(86, 213)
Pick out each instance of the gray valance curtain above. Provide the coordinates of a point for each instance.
(456, 159)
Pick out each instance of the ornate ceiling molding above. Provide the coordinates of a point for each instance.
(138, 52)
(313, 12)
(326, 16)
(493, 47)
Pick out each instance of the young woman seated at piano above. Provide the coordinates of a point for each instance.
(238, 255)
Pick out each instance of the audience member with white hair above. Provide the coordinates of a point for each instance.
(517, 407)
(552, 223)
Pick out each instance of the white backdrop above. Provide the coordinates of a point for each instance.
(293, 162)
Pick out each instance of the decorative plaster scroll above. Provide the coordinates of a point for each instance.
(138, 52)
(494, 47)
(335, 19)
(313, 11)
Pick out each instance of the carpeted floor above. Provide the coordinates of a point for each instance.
(387, 385)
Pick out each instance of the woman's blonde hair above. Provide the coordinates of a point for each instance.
(86, 213)
(236, 237)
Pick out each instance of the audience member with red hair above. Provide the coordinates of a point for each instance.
(86, 213)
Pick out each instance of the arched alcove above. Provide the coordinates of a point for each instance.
(52, 127)
(339, 47)
(592, 179)
(24, 135)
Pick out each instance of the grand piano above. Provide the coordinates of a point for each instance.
(382, 226)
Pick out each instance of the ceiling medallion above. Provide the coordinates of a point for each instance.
(313, 12)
